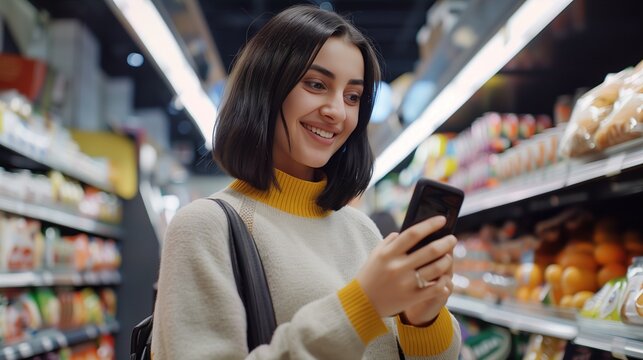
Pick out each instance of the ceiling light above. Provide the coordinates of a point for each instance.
(146, 24)
(135, 59)
(522, 26)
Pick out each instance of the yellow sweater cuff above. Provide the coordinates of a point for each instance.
(426, 341)
(361, 312)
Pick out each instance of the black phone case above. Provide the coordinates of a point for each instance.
(429, 190)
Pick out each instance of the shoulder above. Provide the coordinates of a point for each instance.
(200, 213)
(357, 217)
(199, 227)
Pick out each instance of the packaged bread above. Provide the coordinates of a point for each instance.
(624, 123)
(589, 110)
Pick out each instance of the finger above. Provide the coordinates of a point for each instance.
(390, 238)
(436, 290)
(433, 251)
(411, 236)
(436, 269)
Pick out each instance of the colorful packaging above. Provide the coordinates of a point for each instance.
(632, 307)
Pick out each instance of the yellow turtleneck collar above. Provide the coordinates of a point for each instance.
(297, 197)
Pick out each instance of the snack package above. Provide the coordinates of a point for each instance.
(589, 111)
(625, 122)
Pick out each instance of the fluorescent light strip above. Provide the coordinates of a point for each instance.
(521, 27)
(160, 44)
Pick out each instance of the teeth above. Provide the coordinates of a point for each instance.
(323, 133)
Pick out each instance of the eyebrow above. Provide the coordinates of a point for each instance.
(330, 74)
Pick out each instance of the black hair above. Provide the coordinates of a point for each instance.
(264, 73)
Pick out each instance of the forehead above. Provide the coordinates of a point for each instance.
(342, 58)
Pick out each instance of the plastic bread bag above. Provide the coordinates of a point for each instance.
(623, 124)
(589, 110)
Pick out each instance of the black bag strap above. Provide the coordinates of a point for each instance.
(251, 280)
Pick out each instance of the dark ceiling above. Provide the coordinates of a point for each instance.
(391, 24)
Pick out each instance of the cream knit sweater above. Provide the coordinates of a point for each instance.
(310, 257)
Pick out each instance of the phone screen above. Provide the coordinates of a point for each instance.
(432, 199)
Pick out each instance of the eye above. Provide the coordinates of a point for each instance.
(315, 85)
(353, 99)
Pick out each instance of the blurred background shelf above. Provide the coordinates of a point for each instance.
(49, 340)
(82, 169)
(59, 216)
(556, 177)
(612, 336)
(49, 278)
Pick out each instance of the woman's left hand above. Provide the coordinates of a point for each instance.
(426, 311)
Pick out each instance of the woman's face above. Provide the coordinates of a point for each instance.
(321, 111)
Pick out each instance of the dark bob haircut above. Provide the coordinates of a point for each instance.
(264, 73)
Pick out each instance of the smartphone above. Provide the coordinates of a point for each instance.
(431, 198)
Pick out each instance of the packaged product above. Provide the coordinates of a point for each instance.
(491, 343)
(93, 307)
(610, 308)
(589, 111)
(592, 306)
(49, 306)
(541, 347)
(632, 308)
(108, 301)
(624, 123)
(30, 312)
(17, 246)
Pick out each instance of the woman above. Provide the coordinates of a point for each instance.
(292, 131)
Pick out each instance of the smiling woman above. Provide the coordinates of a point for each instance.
(292, 131)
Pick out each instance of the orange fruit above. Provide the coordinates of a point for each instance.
(609, 272)
(566, 301)
(639, 303)
(610, 253)
(581, 260)
(535, 294)
(553, 273)
(580, 246)
(575, 280)
(556, 294)
(579, 299)
(523, 293)
(529, 274)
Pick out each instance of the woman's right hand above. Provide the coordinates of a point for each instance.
(388, 277)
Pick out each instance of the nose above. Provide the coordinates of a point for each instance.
(334, 109)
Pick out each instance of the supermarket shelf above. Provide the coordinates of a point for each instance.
(49, 278)
(60, 217)
(556, 177)
(80, 169)
(49, 340)
(533, 322)
(615, 337)
(623, 340)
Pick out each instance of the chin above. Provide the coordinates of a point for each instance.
(317, 163)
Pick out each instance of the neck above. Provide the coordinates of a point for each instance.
(294, 195)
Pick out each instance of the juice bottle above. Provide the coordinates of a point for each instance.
(632, 309)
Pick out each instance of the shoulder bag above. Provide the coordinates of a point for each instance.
(251, 285)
